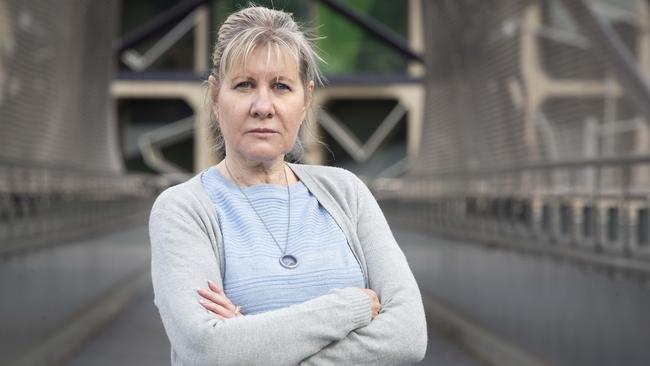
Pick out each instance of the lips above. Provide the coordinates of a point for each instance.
(262, 130)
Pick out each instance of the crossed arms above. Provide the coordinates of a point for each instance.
(333, 329)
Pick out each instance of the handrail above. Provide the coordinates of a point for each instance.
(25, 164)
(549, 165)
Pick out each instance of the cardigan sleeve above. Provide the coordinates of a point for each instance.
(182, 259)
(398, 335)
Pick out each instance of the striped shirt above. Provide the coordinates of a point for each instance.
(254, 278)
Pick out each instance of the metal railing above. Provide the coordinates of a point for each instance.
(41, 205)
(547, 208)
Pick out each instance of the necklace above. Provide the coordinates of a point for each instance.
(286, 260)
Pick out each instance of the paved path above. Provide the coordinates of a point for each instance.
(136, 337)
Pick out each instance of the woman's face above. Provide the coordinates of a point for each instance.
(260, 105)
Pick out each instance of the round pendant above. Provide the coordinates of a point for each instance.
(289, 261)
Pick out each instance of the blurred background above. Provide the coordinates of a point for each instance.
(508, 142)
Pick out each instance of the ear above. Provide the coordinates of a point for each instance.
(214, 94)
(309, 90)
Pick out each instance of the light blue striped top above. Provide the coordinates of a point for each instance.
(254, 278)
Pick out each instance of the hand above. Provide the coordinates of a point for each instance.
(216, 302)
(374, 299)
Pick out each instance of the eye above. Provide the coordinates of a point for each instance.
(244, 85)
(281, 87)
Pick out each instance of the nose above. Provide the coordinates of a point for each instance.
(262, 107)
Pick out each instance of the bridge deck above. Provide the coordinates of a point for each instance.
(137, 337)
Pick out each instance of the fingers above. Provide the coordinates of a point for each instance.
(217, 309)
(217, 315)
(213, 286)
(214, 293)
(375, 304)
(215, 301)
(376, 309)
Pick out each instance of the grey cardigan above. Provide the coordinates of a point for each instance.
(332, 329)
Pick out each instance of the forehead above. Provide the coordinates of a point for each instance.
(266, 59)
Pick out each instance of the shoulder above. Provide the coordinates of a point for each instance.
(339, 184)
(183, 199)
(329, 174)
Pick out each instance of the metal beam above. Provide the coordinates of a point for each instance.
(613, 52)
(157, 24)
(139, 62)
(376, 29)
(150, 144)
(180, 10)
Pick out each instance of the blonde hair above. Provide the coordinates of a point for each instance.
(255, 26)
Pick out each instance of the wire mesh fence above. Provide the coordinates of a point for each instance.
(61, 172)
(532, 132)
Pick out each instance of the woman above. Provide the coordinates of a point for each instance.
(259, 261)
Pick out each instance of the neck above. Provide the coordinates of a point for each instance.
(248, 173)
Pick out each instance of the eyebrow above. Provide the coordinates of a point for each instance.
(283, 78)
(277, 78)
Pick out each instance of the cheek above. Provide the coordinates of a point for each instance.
(296, 113)
(229, 126)
(232, 114)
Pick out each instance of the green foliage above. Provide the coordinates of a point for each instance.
(345, 46)
(349, 49)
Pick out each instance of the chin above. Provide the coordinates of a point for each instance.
(263, 155)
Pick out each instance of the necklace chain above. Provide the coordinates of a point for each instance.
(286, 243)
